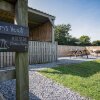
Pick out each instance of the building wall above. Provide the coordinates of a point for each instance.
(42, 33)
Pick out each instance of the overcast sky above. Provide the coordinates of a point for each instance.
(83, 15)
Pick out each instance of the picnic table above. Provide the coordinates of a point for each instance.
(96, 51)
(78, 52)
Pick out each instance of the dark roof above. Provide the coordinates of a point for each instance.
(42, 12)
(30, 8)
(11, 1)
(35, 17)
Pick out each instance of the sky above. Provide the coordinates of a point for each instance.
(83, 15)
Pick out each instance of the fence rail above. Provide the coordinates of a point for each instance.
(39, 52)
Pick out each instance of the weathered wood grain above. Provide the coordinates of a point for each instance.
(21, 59)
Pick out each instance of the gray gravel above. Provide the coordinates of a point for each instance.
(47, 89)
(62, 61)
(42, 88)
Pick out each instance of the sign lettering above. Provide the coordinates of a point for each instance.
(13, 38)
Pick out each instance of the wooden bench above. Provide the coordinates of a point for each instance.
(79, 53)
(97, 52)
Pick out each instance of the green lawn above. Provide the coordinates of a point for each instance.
(83, 78)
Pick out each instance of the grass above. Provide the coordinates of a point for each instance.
(83, 78)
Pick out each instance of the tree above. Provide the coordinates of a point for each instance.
(74, 41)
(62, 33)
(85, 40)
(96, 43)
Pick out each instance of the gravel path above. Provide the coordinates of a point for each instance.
(47, 89)
(60, 61)
(41, 88)
(63, 61)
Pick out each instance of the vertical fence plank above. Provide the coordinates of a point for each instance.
(39, 52)
(35, 52)
(32, 57)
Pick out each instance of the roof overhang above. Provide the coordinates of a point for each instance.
(35, 17)
(11, 1)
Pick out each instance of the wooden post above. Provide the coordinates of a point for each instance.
(53, 37)
(21, 59)
(52, 23)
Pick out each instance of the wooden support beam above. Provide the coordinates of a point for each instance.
(11, 1)
(21, 59)
(6, 6)
(7, 74)
(33, 22)
(53, 36)
(9, 7)
(52, 23)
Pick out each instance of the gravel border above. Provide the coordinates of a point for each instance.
(62, 61)
(49, 90)
(40, 88)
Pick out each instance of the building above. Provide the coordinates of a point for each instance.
(42, 47)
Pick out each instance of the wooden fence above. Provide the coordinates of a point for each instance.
(42, 52)
(39, 52)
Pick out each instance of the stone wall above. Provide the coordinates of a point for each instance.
(91, 48)
(64, 50)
